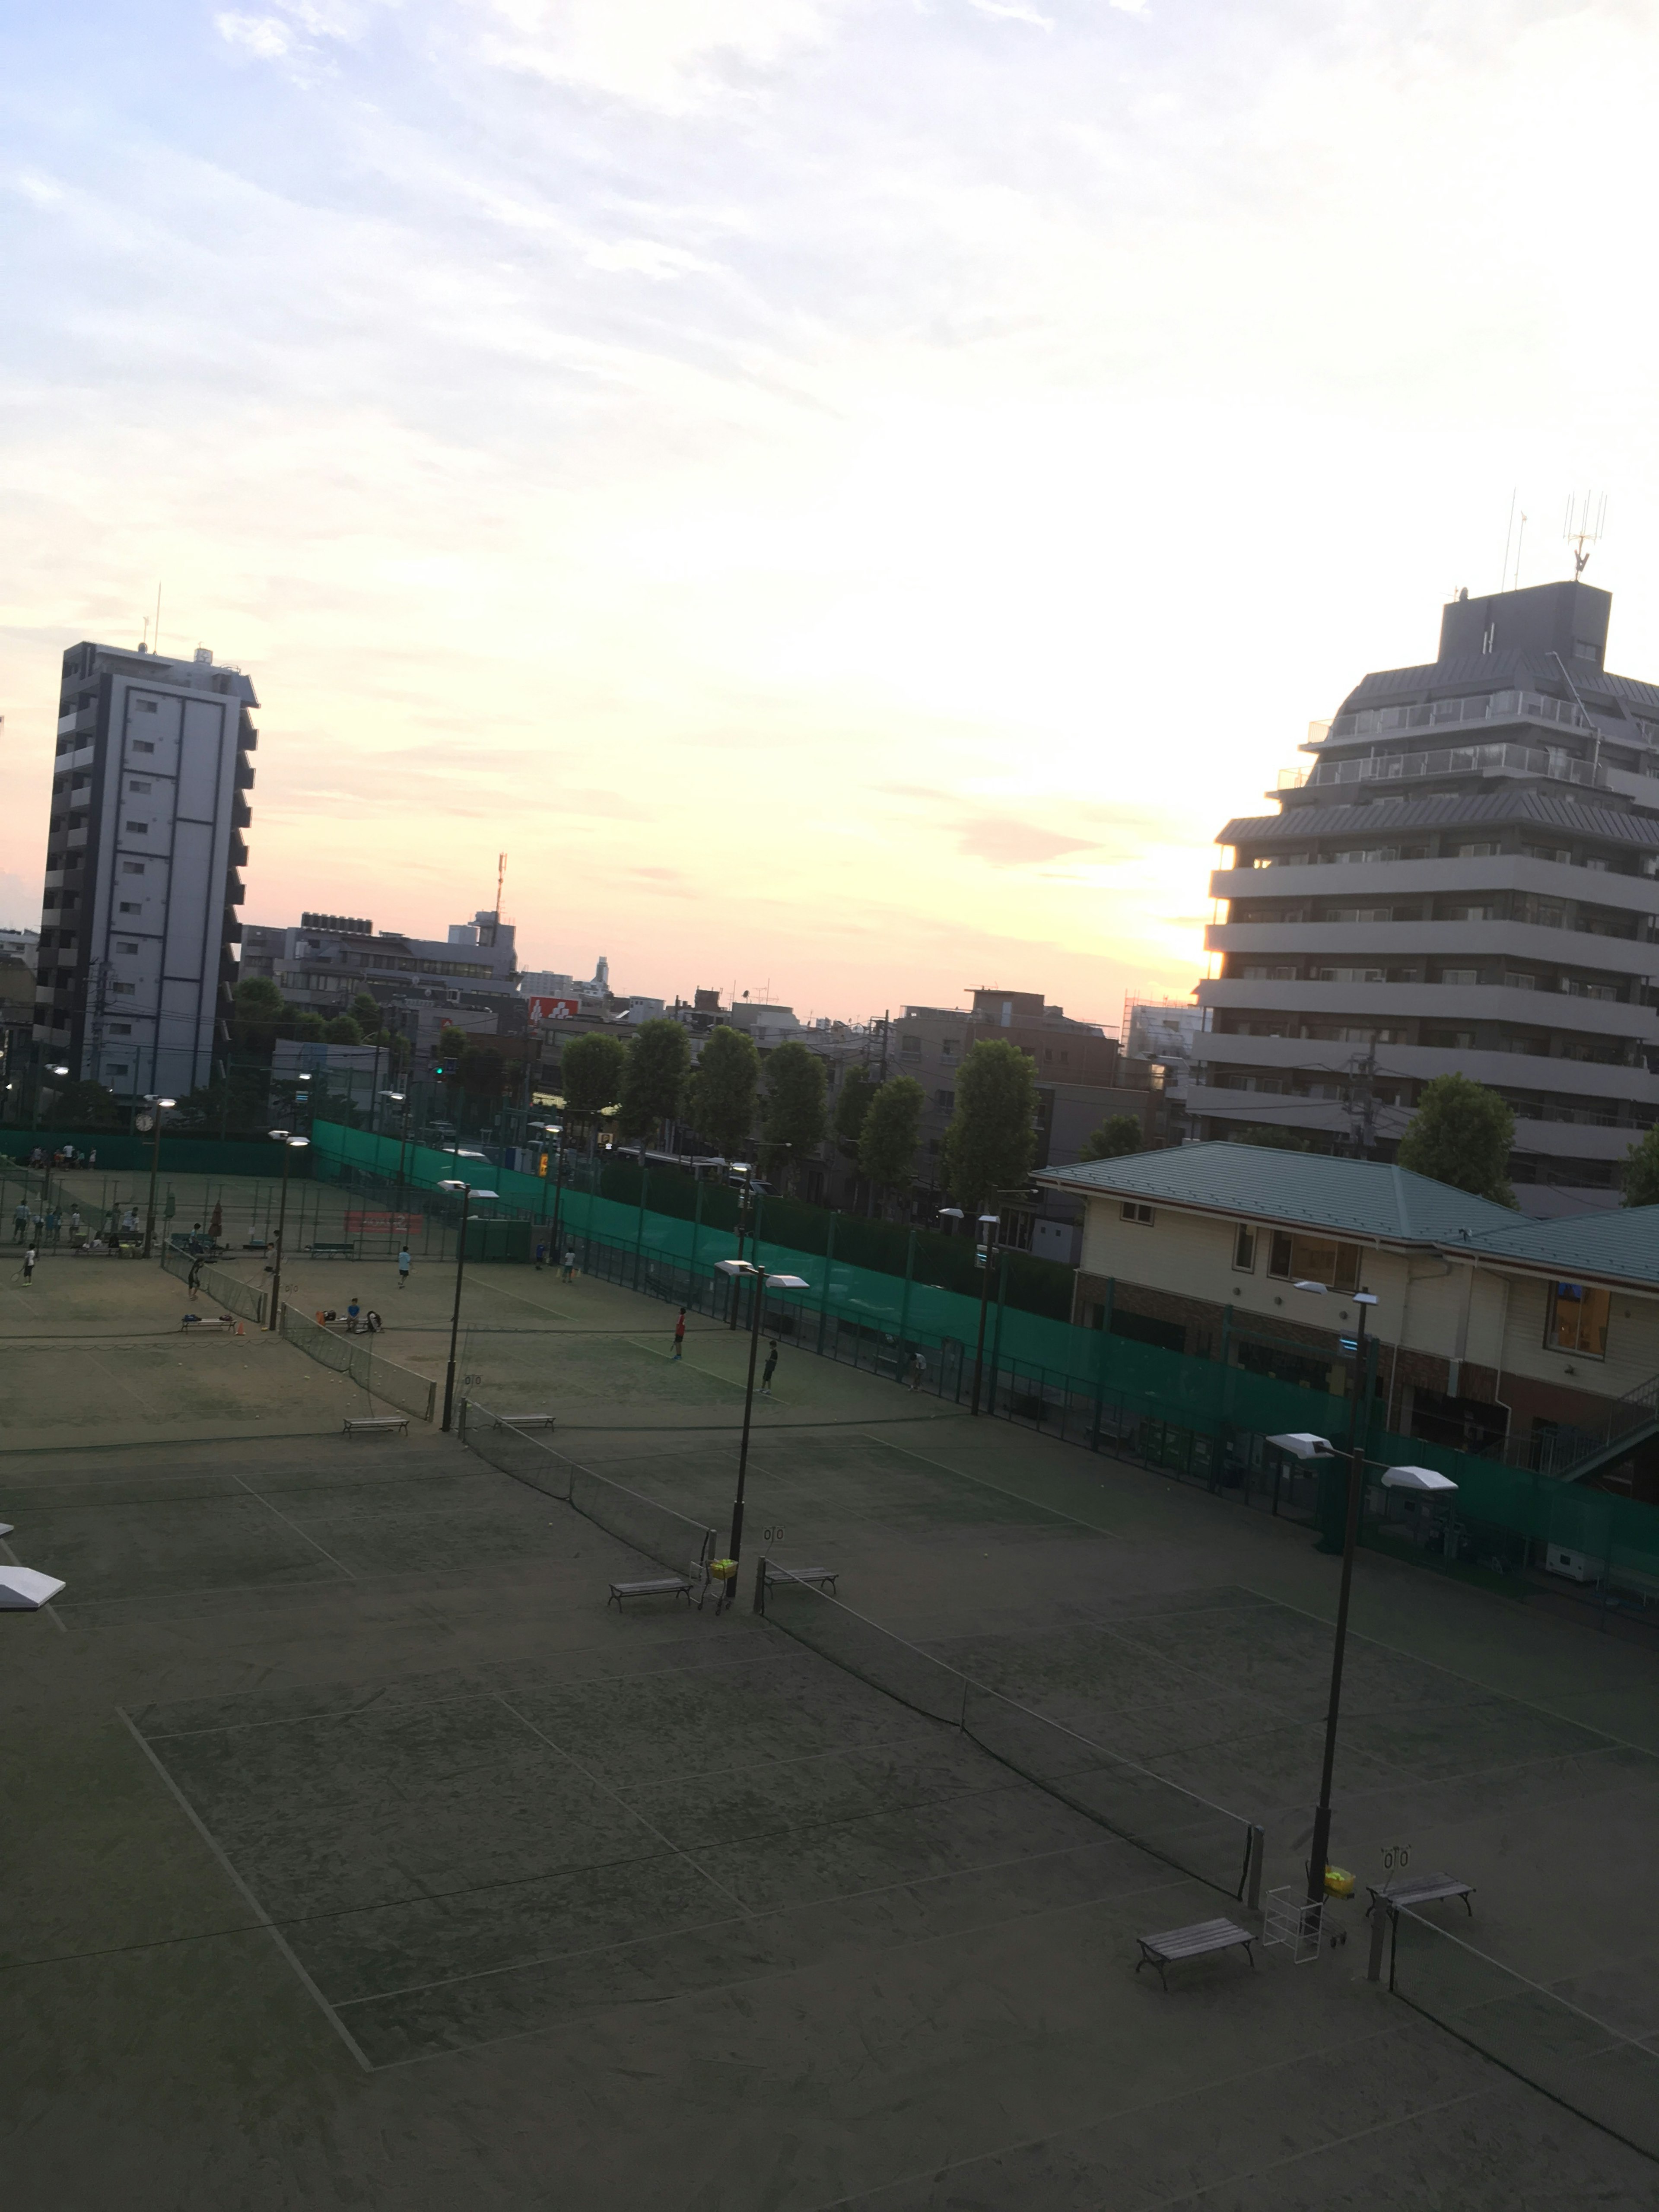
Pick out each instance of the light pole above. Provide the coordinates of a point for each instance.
(1320, 1853)
(554, 1129)
(400, 1098)
(160, 1106)
(290, 1144)
(467, 1196)
(984, 1253)
(737, 1268)
(745, 1207)
(45, 1172)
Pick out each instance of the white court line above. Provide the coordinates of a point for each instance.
(252, 1901)
(296, 1526)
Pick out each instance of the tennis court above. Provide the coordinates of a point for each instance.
(363, 1846)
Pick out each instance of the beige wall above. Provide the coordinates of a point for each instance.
(1424, 1303)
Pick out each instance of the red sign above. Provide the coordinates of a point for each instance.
(386, 1224)
(554, 1010)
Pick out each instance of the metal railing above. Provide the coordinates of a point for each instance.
(1484, 706)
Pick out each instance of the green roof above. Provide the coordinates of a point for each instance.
(1624, 1241)
(1360, 1198)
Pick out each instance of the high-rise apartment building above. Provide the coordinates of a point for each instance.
(138, 925)
(1465, 880)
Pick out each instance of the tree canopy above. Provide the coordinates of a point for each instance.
(591, 1073)
(1117, 1135)
(795, 1090)
(892, 1130)
(858, 1088)
(654, 1079)
(991, 1138)
(1641, 1178)
(724, 1087)
(1461, 1134)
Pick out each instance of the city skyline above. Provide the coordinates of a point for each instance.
(804, 523)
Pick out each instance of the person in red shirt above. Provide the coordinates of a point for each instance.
(679, 1335)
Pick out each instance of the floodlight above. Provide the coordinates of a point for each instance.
(787, 1283)
(1318, 1289)
(1417, 1477)
(737, 1267)
(1301, 1443)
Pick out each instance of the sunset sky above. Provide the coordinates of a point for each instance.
(850, 494)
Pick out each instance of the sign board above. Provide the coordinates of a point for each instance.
(384, 1224)
(555, 1010)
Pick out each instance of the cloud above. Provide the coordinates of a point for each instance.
(1007, 844)
(670, 54)
(266, 37)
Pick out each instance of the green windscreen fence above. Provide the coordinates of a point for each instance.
(1202, 1420)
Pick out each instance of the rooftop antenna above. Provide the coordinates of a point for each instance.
(500, 878)
(1520, 541)
(1508, 532)
(1583, 526)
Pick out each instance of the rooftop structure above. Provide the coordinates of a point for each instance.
(1464, 880)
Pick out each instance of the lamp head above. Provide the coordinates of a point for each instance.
(736, 1267)
(1364, 1297)
(298, 1144)
(951, 1213)
(1317, 1289)
(787, 1283)
(989, 1220)
(280, 1135)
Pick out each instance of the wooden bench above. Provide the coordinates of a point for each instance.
(196, 1322)
(346, 1251)
(1174, 1943)
(524, 1421)
(377, 1424)
(820, 1577)
(661, 1586)
(1420, 1889)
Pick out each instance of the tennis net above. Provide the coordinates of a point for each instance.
(1174, 1824)
(643, 1524)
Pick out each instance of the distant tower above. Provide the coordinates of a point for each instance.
(602, 973)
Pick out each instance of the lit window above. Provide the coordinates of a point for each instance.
(1578, 1319)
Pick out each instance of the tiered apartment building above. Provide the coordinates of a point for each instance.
(138, 924)
(1467, 879)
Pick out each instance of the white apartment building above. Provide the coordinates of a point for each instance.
(138, 926)
(1467, 880)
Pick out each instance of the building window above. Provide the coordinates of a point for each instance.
(1578, 1319)
(1515, 982)
(1459, 976)
(946, 1099)
(1133, 1211)
(120, 1029)
(910, 1044)
(129, 906)
(146, 706)
(137, 784)
(139, 746)
(124, 990)
(1296, 1259)
(1244, 1250)
(139, 829)
(126, 945)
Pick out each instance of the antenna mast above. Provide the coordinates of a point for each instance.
(1583, 526)
(500, 878)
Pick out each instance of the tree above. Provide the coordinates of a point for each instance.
(892, 1130)
(365, 1011)
(80, 1105)
(989, 1144)
(720, 1096)
(258, 1008)
(1641, 1171)
(452, 1046)
(654, 1079)
(1460, 1133)
(853, 1104)
(795, 1089)
(1117, 1135)
(343, 1029)
(1267, 1136)
(591, 1074)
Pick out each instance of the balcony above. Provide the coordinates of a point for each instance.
(79, 720)
(1552, 761)
(1436, 1002)
(1588, 1079)
(1301, 878)
(1391, 942)
(1487, 707)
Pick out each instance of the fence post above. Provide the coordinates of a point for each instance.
(696, 1233)
(996, 1334)
(904, 1299)
(1100, 1361)
(760, 1586)
(1380, 1918)
(828, 1266)
(1252, 1856)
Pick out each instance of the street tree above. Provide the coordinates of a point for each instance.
(857, 1091)
(892, 1130)
(654, 1079)
(1641, 1171)
(723, 1090)
(991, 1138)
(794, 1115)
(1461, 1134)
(591, 1074)
(1118, 1135)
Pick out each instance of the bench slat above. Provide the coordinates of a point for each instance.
(661, 1586)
